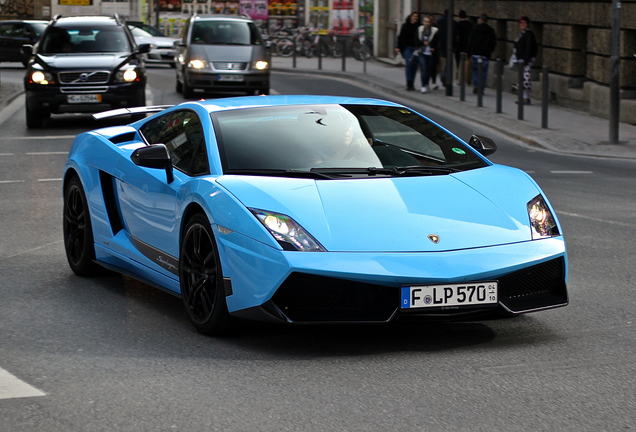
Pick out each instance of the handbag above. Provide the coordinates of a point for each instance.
(512, 63)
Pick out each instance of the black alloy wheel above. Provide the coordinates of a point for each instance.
(78, 233)
(201, 278)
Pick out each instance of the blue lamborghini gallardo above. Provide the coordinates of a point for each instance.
(311, 209)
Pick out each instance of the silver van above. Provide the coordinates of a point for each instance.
(222, 54)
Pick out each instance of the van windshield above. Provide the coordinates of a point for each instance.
(224, 33)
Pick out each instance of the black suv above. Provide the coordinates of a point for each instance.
(83, 65)
(14, 34)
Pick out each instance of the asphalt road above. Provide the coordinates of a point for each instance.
(112, 354)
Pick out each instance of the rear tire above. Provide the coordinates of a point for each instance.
(188, 92)
(201, 278)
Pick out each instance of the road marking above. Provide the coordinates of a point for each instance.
(36, 248)
(595, 219)
(46, 153)
(6, 154)
(11, 387)
(50, 180)
(572, 172)
(11, 181)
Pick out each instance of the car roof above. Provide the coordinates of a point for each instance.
(24, 21)
(90, 18)
(220, 18)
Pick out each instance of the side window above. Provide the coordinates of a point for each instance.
(182, 133)
(5, 30)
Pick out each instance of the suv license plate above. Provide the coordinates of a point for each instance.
(230, 77)
(450, 295)
(84, 98)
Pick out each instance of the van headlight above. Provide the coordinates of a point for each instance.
(260, 65)
(198, 64)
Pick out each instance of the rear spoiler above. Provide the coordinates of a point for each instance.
(125, 111)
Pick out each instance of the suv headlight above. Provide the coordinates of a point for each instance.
(198, 64)
(542, 222)
(127, 73)
(288, 234)
(40, 77)
(260, 65)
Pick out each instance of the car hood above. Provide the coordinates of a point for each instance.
(84, 60)
(477, 208)
(155, 40)
(227, 53)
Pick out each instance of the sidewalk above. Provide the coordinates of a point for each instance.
(569, 131)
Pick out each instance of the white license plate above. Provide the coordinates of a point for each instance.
(450, 295)
(84, 98)
(230, 77)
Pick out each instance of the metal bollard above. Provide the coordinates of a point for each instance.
(480, 83)
(545, 97)
(319, 56)
(462, 77)
(294, 54)
(499, 86)
(520, 90)
(344, 53)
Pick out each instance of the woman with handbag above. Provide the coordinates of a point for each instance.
(526, 54)
(428, 35)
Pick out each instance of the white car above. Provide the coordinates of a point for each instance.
(162, 50)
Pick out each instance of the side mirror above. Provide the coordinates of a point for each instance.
(27, 49)
(482, 144)
(144, 48)
(154, 156)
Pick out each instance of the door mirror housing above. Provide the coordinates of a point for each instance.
(154, 156)
(144, 48)
(27, 49)
(482, 144)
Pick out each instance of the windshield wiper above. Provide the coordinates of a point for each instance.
(416, 170)
(282, 173)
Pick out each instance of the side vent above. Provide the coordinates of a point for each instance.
(108, 192)
(129, 136)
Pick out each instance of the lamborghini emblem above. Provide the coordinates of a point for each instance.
(434, 238)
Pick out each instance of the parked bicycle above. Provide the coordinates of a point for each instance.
(299, 39)
(361, 47)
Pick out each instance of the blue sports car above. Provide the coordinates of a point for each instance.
(311, 209)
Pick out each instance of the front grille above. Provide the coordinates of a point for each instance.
(234, 66)
(84, 77)
(535, 287)
(84, 89)
(309, 298)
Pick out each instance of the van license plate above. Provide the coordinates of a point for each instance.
(230, 77)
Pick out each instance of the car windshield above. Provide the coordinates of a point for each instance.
(333, 139)
(85, 39)
(152, 31)
(137, 32)
(39, 28)
(224, 33)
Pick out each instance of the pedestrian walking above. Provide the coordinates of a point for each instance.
(428, 35)
(464, 27)
(442, 26)
(407, 44)
(481, 44)
(526, 54)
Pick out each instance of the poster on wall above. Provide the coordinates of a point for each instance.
(111, 7)
(365, 16)
(169, 5)
(282, 13)
(318, 14)
(255, 9)
(342, 17)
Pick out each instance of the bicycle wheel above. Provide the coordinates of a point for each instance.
(285, 47)
(336, 50)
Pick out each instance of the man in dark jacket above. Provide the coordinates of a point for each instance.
(481, 44)
(407, 44)
(464, 28)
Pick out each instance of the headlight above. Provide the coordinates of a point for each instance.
(542, 222)
(287, 232)
(198, 64)
(260, 65)
(127, 73)
(43, 78)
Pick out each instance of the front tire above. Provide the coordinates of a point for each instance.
(201, 278)
(34, 119)
(78, 232)
(188, 92)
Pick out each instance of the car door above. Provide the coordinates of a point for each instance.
(148, 203)
(6, 30)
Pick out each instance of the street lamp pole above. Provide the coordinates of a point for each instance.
(450, 39)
